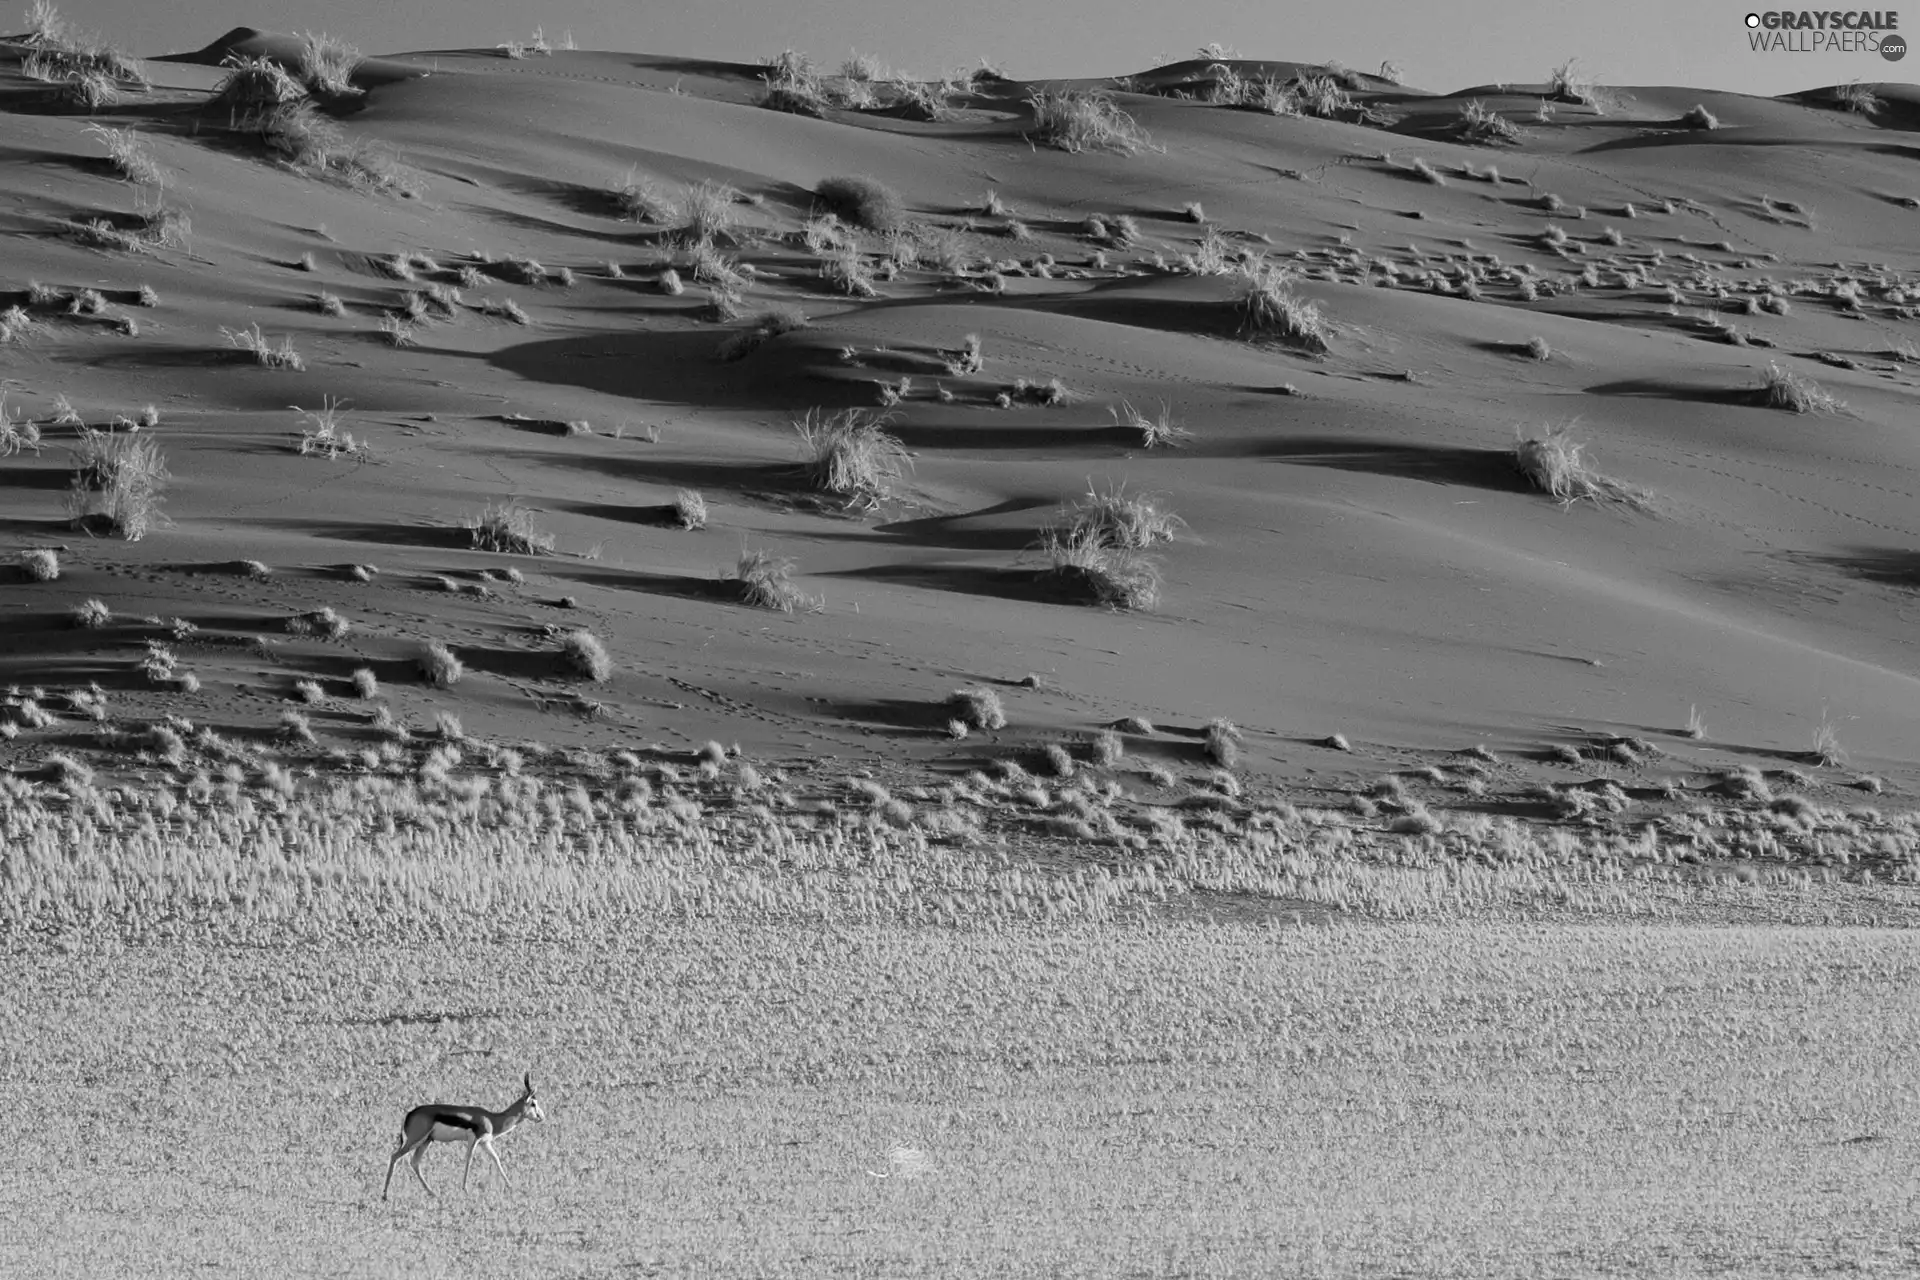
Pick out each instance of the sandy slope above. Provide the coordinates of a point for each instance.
(1361, 557)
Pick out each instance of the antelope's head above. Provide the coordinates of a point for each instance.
(534, 1110)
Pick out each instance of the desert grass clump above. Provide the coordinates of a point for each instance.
(1220, 742)
(768, 324)
(706, 213)
(847, 271)
(439, 666)
(766, 582)
(118, 482)
(255, 344)
(585, 656)
(1130, 522)
(366, 684)
(689, 509)
(509, 310)
(323, 435)
(1268, 306)
(127, 153)
(1827, 750)
(1785, 389)
(91, 615)
(327, 64)
(1568, 83)
(1552, 464)
(1087, 568)
(977, 707)
(1857, 98)
(17, 434)
(1477, 125)
(1076, 120)
(1428, 173)
(40, 564)
(863, 202)
(636, 199)
(1155, 432)
(510, 529)
(1106, 747)
(1698, 117)
(966, 359)
(1537, 349)
(851, 453)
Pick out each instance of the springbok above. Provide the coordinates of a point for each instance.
(475, 1126)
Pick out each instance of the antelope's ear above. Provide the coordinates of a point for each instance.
(529, 1082)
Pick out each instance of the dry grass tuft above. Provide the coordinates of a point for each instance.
(706, 213)
(1077, 120)
(254, 343)
(118, 482)
(40, 564)
(864, 202)
(1270, 307)
(509, 528)
(586, 656)
(1156, 432)
(1085, 568)
(689, 509)
(439, 666)
(851, 453)
(766, 582)
(977, 707)
(1785, 389)
(1552, 464)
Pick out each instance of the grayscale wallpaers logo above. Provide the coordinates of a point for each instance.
(1828, 31)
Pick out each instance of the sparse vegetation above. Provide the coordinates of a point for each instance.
(1155, 432)
(439, 666)
(585, 656)
(1552, 464)
(1084, 567)
(40, 564)
(689, 509)
(255, 344)
(1698, 117)
(863, 202)
(1784, 389)
(510, 529)
(766, 582)
(1269, 306)
(978, 707)
(851, 453)
(1478, 125)
(119, 482)
(706, 213)
(1077, 120)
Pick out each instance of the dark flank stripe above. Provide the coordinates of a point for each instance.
(441, 1115)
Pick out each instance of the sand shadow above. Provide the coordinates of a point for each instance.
(1659, 389)
(1438, 464)
(659, 515)
(1002, 438)
(1888, 566)
(677, 585)
(436, 537)
(1027, 585)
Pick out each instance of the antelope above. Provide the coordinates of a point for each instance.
(475, 1126)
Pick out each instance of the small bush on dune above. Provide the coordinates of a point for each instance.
(978, 707)
(127, 152)
(1552, 464)
(41, 564)
(439, 666)
(508, 528)
(639, 201)
(327, 65)
(255, 84)
(1076, 120)
(1857, 98)
(706, 213)
(1117, 519)
(1785, 389)
(1155, 432)
(846, 269)
(851, 453)
(118, 481)
(690, 509)
(1568, 83)
(863, 202)
(1698, 117)
(1270, 307)
(91, 615)
(586, 656)
(255, 343)
(766, 582)
(1221, 742)
(1084, 567)
(1477, 125)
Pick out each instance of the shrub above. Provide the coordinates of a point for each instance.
(1221, 742)
(586, 656)
(252, 341)
(508, 528)
(126, 151)
(967, 359)
(1107, 747)
(638, 200)
(42, 564)
(766, 582)
(1568, 83)
(1552, 464)
(1827, 750)
(978, 707)
(851, 453)
(1077, 120)
(118, 481)
(365, 683)
(1116, 520)
(255, 85)
(768, 324)
(846, 269)
(1698, 117)
(1785, 389)
(1857, 98)
(690, 509)
(1537, 348)
(1084, 567)
(327, 65)
(1155, 431)
(1429, 173)
(862, 201)
(439, 666)
(1269, 307)
(90, 615)
(706, 213)
(1478, 126)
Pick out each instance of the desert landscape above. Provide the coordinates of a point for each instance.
(1238, 669)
